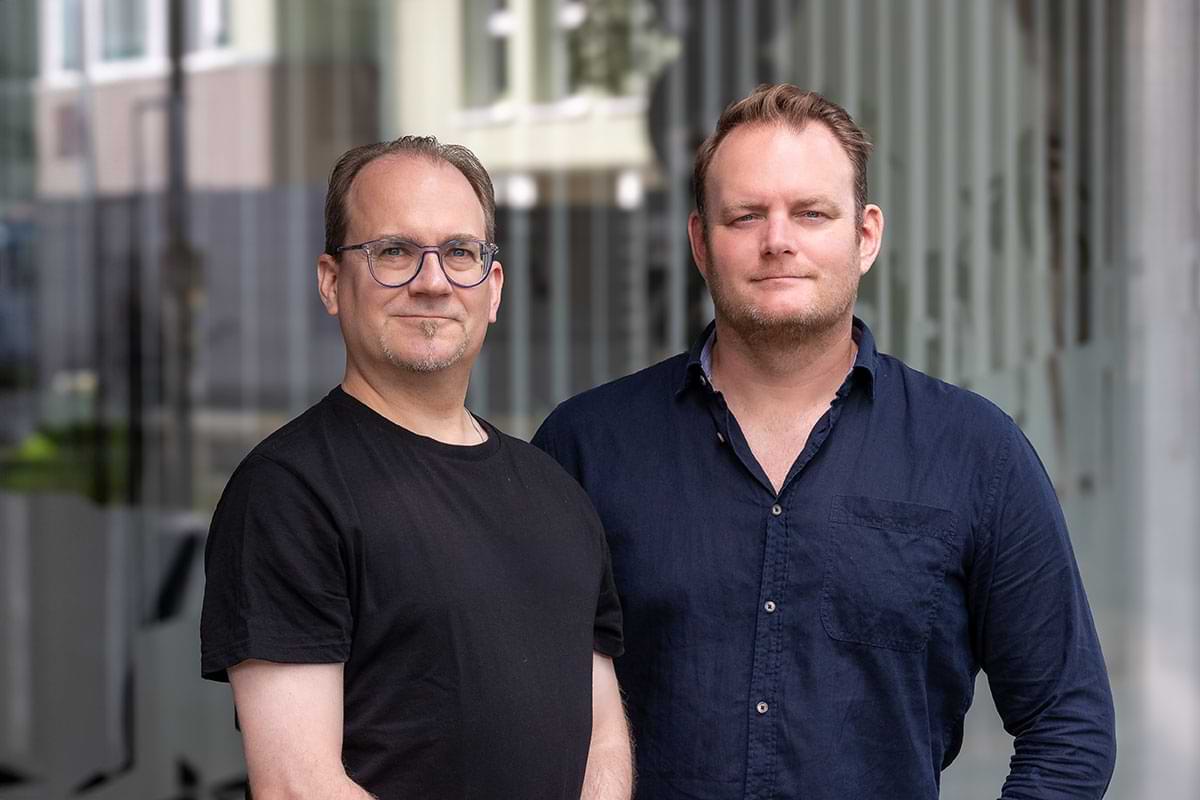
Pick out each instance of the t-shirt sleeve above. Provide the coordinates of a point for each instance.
(554, 439)
(275, 575)
(608, 638)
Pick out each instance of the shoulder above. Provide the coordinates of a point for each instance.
(638, 396)
(934, 403)
(540, 469)
(546, 484)
(301, 436)
(296, 457)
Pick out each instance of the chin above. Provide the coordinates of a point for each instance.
(432, 356)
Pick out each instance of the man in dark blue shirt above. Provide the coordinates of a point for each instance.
(817, 548)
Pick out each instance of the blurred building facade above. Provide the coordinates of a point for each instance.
(1038, 163)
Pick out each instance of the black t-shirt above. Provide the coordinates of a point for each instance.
(464, 588)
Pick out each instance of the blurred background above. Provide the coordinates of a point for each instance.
(162, 174)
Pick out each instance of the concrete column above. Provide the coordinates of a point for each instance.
(1162, 171)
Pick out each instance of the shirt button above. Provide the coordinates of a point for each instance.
(761, 707)
(769, 606)
(703, 381)
(777, 509)
(720, 437)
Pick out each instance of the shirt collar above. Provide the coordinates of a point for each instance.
(699, 365)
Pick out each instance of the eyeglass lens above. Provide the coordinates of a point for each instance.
(396, 261)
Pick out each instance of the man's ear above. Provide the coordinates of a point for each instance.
(327, 282)
(495, 284)
(870, 237)
(699, 246)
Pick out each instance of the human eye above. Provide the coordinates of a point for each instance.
(461, 253)
(396, 249)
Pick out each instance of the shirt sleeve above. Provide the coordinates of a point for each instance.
(275, 577)
(1036, 639)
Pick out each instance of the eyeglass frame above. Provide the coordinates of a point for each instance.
(488, 251)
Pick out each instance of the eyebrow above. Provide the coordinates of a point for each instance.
(817, 200)
(451, 238)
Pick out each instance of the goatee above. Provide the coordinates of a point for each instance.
(429, 361)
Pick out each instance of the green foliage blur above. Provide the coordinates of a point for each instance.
(71, 458)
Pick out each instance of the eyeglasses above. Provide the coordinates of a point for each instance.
(396, 262)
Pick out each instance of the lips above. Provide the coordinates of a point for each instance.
(412, 315)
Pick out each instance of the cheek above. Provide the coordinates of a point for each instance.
(833, 250)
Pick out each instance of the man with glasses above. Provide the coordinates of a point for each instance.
(817, 548)
(406, 601)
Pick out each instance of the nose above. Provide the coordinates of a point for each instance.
(430, 278)
(779, 237)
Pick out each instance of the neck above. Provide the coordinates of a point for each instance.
(797, 372)
(430, 404)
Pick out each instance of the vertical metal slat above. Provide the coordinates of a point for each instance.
(949, 190)
(636, 306)
(711, 64)
(518, 285)
(560, 289)
(980, 164)
(1011, 124)
(784, 15)
(918, 182)
(746, 47)
(1068, 240)
(297, 281)
(601, 268)
(816, 45)
(1097, 178)
(883, 45)
(677, 211)
(1040, 284)
(851, 52)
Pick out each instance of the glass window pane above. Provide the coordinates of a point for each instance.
(124, 29)
(208, 23)
(487, 25)
(72, 40)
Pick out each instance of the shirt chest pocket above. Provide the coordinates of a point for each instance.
(886, 571)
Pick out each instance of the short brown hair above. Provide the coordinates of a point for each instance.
(353, 160)
(785, 104)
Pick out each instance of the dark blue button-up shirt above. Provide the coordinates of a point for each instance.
(823, 642)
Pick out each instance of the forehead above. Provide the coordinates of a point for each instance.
(760, 159)
(413, 195)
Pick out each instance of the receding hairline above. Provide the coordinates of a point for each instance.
(410, 155)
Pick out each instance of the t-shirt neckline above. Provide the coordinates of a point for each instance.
(428, 445)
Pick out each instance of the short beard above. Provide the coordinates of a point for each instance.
(429, 362)
(753, 325)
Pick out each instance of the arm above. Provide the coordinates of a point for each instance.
(1036, 640)
(609, 773)
(291, 719)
